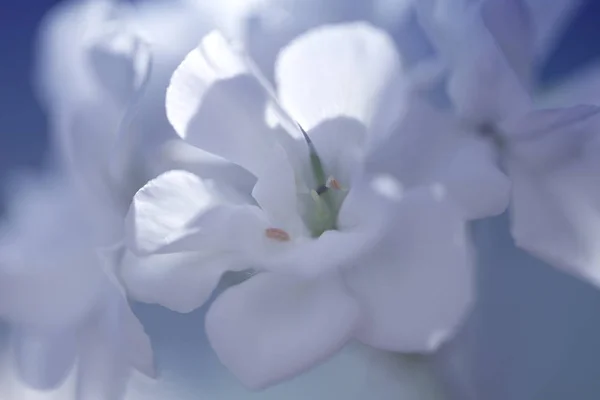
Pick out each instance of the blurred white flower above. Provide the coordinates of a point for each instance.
(60, 294)
(338, 252)
(59, 243)
(549, 155)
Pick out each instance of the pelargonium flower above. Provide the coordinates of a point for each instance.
(548, 154)
(58, 245)
(335, 251)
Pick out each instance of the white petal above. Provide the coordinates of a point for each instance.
(484, 88)
(482, 85)
(430, 147)
(272, 327)
(510, 23)
(103, 369)
(62, 73)
(215, 103)
(44, 357)
(416, 286)
(554, 209)
(181, 282)
(138, 347)
(113, 342)
(349, 70)
(101, 68)
(176, 154)
(178, 211)
(550, 139)
(51, 274)
(557, 219)
(276, 194)
(475, 182)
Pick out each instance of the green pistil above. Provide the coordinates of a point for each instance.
(326, 212)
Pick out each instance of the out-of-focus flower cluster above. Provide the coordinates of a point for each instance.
(328, 155)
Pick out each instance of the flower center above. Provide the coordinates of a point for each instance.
(327, 197)
(320, 206)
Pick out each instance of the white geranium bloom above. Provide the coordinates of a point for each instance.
(58, 293)
(339, 252)
(548, 154)
(57, 248)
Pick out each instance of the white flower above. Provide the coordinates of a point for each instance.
(549, 155)
(59, 248)
(338, 252)
(57, 293)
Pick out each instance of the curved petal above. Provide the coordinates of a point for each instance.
(430, 147)
(475, 182)
(138, 348)
(102, 368)
(181, 282)
(556, 218)
(555, 209)
(62, 49)
(178, 211)
(348, 70)
(510, 24)
(550, 139)
(416, 286)
(176, 154)
(120, 61)
(44, 357)
(272, 327)
(113, 341)
(482, 85)
(276, 194)
(215, 103)
(105, 66)
(51, 275)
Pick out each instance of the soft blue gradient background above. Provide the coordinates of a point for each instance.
(535, 333)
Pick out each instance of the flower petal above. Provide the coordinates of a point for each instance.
(121, 62)
(102, 369)
(556, 193)
(178, 211)
(475, 182)
(431, 147)
(348, 70)
(215, 103)
(476, 61)
(416, 286)
(176, 154)
(44, 357)
(273, 327)
(181, 282)
(556, 218)
(51, 275)
(550, 139)
(510, 23)
(276, 193)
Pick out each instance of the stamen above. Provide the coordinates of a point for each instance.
(333, 183)
(277, 234)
